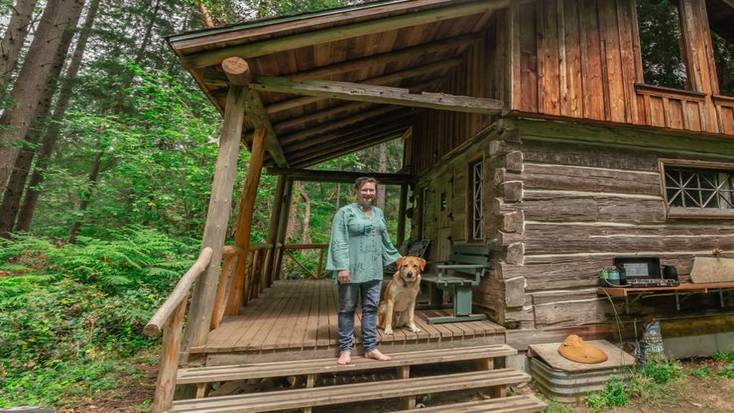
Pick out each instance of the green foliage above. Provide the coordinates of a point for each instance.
(662, 372)
(65, 329)
(702, 372)
(614, 394)
(660, 35)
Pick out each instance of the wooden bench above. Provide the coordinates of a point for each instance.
(464, 269)
(361, 392)
(525, 403)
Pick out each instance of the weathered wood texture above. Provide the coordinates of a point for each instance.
(581, 59)
(581, 206)
(481, 74)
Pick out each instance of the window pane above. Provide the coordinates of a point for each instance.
(660, 40)
(698, 188)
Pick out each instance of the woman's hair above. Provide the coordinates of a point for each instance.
(359, 182)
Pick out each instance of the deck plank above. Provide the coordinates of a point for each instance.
(296, 315)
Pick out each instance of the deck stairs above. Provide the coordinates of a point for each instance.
(491, 381)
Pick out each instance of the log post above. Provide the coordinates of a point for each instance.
(168, 368)
(215, 229)
(273, 229)
(244, 221)
(231, 256)
(401, 214)
(282, 227)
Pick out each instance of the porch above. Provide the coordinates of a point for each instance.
(297, 319)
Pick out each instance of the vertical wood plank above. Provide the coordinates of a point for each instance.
(528, 82)
(609, 30)
(168, 367)
(548, 59)
(282, 226)
(513, 65)
(574, 82)
(591, 57)
(627, 48)
(408, 403)
(202, 303)
(562, 58)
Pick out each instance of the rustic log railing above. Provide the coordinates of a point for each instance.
(289, 250)
(170, 318)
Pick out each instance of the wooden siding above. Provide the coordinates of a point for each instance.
(482, 74)
(581, 206)
(581, 59)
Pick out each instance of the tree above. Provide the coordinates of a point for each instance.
(15, 35)
(32, 84)
(53, 130)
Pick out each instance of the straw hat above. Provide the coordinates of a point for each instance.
(576, 349)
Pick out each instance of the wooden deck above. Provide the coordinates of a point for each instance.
(297, 317)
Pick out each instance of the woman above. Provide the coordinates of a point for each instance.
(359, 250)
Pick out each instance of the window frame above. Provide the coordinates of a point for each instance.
(471, 201)
(693, 213)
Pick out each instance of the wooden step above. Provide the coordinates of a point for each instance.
(525, 403)
(350, 393)
(320, 366)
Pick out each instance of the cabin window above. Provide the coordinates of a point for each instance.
(476, 213)
(699, 189)
(720, 15)
(661, 44)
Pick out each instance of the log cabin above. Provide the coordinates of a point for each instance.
(539, 129)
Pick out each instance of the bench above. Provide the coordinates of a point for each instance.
(465, 268)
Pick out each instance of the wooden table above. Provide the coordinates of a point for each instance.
(681, 292)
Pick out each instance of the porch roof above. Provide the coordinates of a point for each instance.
(380, 57)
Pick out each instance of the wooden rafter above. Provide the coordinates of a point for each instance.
(371, 114)
(361, 92)
(300, 163)
(332, 34)
(346, 143)
(257, 116)
(363, 131)
(339, 176)
(432, 68)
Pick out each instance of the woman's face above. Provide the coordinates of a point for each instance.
(366, 194)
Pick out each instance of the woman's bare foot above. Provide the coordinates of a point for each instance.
(376, 355)
(345, 357)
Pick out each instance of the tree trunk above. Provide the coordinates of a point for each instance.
(290, 228)
(14, 38)
(93, 179)
(16, 183)
(305, 236)
(33, 81)
(54, 128)
(382, 167)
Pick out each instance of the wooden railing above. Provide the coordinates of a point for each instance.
(169, 318)
(676, 109)
(725, 113)
(289, 250)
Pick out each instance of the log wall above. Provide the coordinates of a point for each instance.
(580, 206)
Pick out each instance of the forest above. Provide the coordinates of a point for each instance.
(106, 162)
(107, 152)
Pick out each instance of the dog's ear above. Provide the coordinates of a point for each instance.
(399, 262)
(422, 263)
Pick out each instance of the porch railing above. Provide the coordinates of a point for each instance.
(290, 249)
(263, 261)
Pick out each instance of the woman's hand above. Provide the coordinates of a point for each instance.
(343, 276)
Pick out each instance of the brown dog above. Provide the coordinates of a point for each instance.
(397, 307)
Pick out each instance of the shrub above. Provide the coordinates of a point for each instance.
(662, 372)
(614, 394)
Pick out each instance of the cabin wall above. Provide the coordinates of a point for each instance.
(483, 73)
(580, 205)
(582, 59)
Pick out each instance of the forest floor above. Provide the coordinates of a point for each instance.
(701, 386)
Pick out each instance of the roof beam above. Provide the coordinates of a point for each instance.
(362, 92)
(389, 79)
(363, 132)
(307, 133)
(340, 176)
(333, 34)
(345, 144)
(238, 74)
(342, 150)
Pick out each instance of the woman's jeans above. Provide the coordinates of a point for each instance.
(348, 294)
